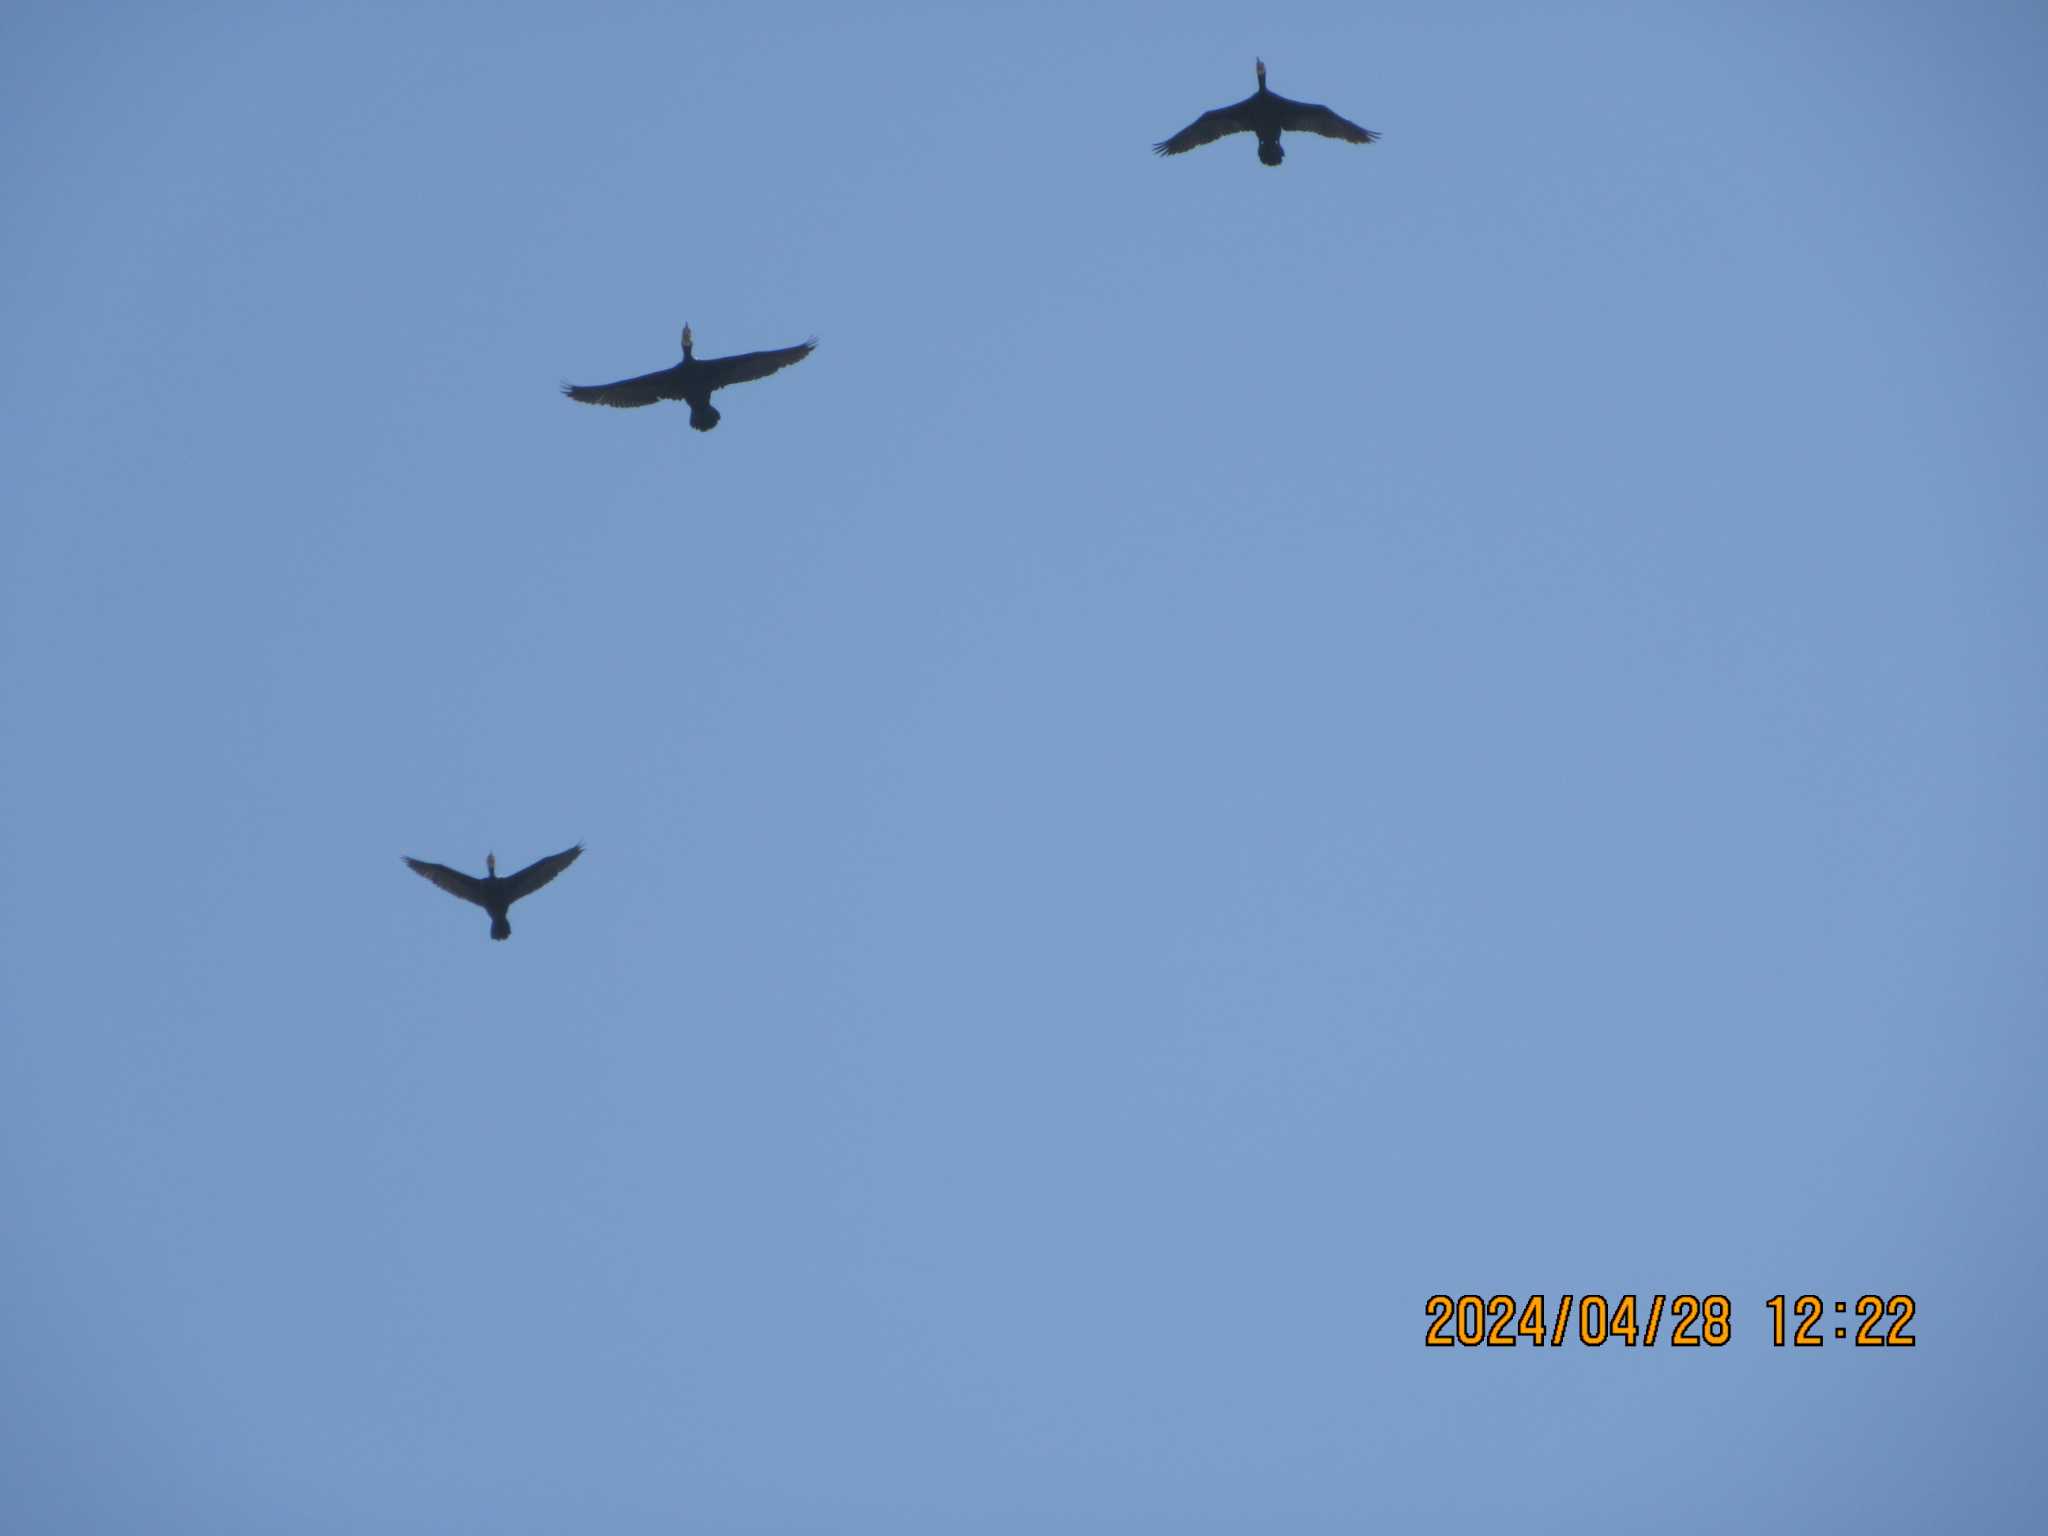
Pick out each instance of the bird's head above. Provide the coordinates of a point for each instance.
(1260, 66)
(686, 339)
(491, 865)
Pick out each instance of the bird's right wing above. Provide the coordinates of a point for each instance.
(644, 390)
(539, 873)
(1310, 117)
(1206, 129)
(745, 367)
(453, 881)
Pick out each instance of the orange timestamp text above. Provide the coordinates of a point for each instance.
(1681, 1321)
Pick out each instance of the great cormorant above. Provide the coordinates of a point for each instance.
(693, 380)
(1266, 115)
(491, 893)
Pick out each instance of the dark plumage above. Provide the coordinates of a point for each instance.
(491, 893)
(1266, 115)
(691, 380)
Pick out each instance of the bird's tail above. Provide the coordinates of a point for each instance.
(500, 928)
(704, 417)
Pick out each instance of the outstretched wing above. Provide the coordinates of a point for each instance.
(745, 367)
(453, 881)
(645, 390)
(539, 873)
(1206, 129)
(1307, 117)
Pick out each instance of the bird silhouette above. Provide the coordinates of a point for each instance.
(1264, 114)
(691, 380)
(491, 893)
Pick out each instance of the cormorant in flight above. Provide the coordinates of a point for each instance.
(1266, 115)
(491, 893)
(692, 380)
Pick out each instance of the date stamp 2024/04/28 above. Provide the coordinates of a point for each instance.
(1681, 1321)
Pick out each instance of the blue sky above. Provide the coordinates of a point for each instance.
(1240, 747)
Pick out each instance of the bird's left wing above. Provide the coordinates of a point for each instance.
(644, 390)
(539, 873)
(453, 881)
(1307, 117)
(1206, 129)
(745, 367)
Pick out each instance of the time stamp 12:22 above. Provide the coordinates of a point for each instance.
(1679, 1321)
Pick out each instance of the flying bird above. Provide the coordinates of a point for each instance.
(1266, 115)
(692, 380)
(491, 893)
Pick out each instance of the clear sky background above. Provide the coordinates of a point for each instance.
(1238, 748)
